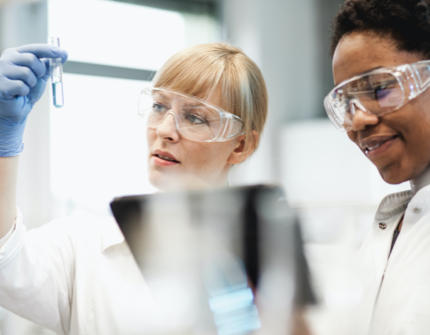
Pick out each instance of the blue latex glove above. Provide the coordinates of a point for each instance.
(24, 72)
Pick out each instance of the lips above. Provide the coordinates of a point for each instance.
(370, 144)
(166, 156)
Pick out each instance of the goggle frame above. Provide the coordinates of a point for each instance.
(414, 77)
(227, 118)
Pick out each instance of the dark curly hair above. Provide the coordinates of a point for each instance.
(406, 22)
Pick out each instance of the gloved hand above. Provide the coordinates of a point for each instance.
(24, 72)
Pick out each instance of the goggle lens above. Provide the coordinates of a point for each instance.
(376, 93)
(194, 120)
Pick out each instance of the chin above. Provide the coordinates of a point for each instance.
(394, 176)
(162, 184)
(177, 182)
(158, 180)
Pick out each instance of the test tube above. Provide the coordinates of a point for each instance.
(57, 75)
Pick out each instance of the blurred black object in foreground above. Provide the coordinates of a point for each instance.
(226, 261)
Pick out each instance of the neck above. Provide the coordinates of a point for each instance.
(191, 182)
(421, 181)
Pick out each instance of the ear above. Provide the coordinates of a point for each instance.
(241, 152)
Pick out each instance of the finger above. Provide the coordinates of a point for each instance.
(31, 61)
(12, 88)
(37, 91)
(48, 70)
(23, 73)
(44, 51)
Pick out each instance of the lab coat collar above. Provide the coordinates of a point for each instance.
(105, 227)
(387, 218)
(112, 235)
(392, 205)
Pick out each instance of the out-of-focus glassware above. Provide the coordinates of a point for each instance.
(216, 262)
(57, 75)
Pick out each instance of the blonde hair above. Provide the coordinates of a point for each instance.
(200, 69)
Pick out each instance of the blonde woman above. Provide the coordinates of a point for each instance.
(225, 81)
(206, 112)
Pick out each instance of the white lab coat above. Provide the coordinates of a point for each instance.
(73, 276)
(397, 286)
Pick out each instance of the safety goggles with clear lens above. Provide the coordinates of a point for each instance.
(377, 92)
(195, 119)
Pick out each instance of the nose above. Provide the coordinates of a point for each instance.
(167, 129)
(362, 119)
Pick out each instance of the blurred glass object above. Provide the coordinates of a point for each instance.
(216, 262)
(230, 298)
(280, 268)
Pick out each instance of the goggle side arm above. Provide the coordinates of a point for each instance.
(421, 72)
(226, 123)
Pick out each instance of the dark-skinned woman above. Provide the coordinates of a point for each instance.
(381, 68)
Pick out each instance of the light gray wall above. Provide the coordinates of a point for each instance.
(281, 36)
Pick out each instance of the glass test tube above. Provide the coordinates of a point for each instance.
(57, 75)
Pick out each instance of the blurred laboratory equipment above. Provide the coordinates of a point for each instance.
(226, 261)
(56, 75)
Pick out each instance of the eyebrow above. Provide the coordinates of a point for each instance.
(360, 74)
(186, 101)
(373, 69)
(159, 94)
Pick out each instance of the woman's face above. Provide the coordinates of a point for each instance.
(195, 164)
(403, 136)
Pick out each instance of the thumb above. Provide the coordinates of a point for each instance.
(36, 92)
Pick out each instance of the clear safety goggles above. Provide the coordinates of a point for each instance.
(377, 92)
(194, 118)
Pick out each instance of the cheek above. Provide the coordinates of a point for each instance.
(206, 156)
(150, 136)
(413, 125)
(417, 142)
(352, 136)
